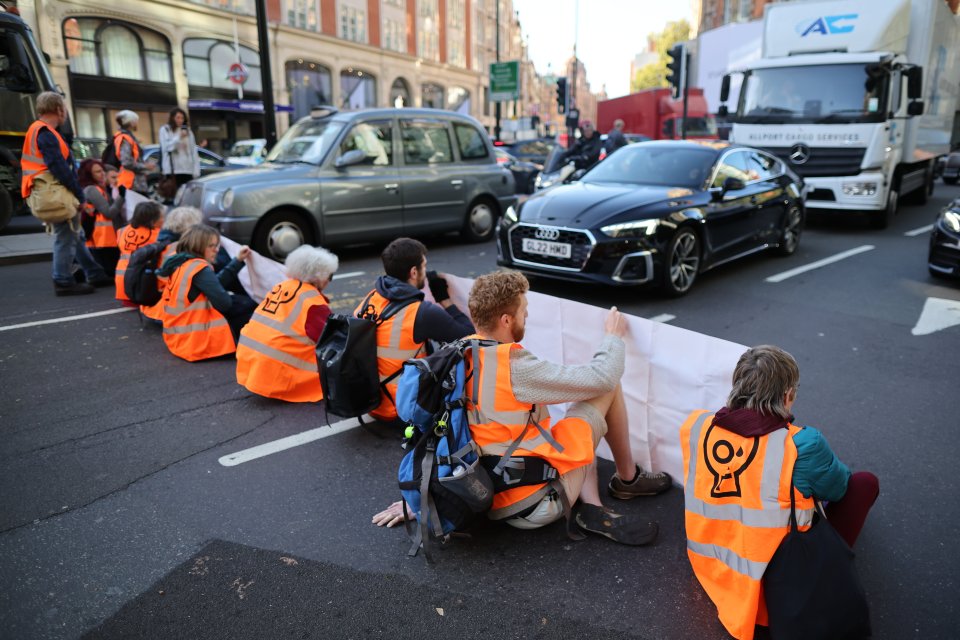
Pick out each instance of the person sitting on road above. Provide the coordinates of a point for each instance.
(143, 229)
(586, 150)
(523, 385)
(112, 177)
(276, 354)
(175, 223)
(405, 263)
(739, 465)
(133, 172)
(102, 216)
(201, 319)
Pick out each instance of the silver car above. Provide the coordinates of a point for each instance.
(361, 176)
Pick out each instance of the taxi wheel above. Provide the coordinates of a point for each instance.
(280, 232)
(481, 221)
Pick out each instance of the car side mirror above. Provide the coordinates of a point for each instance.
(915, 108)
(352, 157)
(576, 175)
(733, 184)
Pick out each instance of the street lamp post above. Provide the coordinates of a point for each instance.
(496, 126)
(269, 110)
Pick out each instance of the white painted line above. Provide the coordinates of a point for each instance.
(82, 316)
(268, 448)
(663, 317)
(349, 274)
(780, 277)
(920, 231)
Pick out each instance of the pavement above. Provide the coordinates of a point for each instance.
(24, 240)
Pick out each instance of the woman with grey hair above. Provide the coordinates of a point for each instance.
(276, 352)
(133, 172)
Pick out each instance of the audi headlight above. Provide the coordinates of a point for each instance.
(510, 216)
(226, 200)
(635, 229)
(951, 220)
(859, 188)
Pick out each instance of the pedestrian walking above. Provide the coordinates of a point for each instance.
(48, 166)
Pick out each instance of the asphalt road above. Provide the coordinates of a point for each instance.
(118, 521)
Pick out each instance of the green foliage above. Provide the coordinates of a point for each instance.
(654, 74)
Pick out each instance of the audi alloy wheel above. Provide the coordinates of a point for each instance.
(681, 262)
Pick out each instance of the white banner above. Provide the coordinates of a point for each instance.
(260, 275)
(669, 371)
(130, 201)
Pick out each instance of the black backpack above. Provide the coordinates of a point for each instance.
(347, 360)
(109, 155)
(140, 278)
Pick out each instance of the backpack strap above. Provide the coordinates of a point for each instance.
(518, 471)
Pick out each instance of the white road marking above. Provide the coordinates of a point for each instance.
(268, 448)
(780, 277)
(349, 274)
(82, 316)
(920, 231)
(937, 314)
(663, 317)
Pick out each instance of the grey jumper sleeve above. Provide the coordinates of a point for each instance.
(540, 382)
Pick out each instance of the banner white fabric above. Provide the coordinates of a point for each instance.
(669, 371)
(130, 202)
(260, 275)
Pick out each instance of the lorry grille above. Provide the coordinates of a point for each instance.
(581, 246)
(824, 161)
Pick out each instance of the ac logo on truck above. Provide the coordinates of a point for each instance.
(827, 25)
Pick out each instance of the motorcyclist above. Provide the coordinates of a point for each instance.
(586, 151)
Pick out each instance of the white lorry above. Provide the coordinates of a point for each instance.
(857, 96)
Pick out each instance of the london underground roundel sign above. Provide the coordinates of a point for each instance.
(238, 73)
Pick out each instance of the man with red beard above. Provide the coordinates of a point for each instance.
(511, 420)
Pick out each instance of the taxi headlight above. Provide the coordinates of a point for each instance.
(634, 229)
(226, 200)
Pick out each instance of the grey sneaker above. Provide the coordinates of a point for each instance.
(645, 484)
(625, 529)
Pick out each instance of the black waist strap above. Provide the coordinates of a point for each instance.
(518, 471)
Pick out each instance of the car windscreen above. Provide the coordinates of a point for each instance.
(655, 164)
(307, 141)
(242, 150)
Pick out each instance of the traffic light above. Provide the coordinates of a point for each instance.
(676, 67)
(561, 95)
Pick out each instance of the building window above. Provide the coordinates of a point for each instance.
(457, 54)
(353, 23)
(394, 36)
(302, 14)
(310, 85)
(431, 96)
(399, 4)
(400, 94)
(428, 32)
(358, 89)
(245, 7)
(455, 13)
(117, 49)
(746, 9)
(458, 99)
(208, 61)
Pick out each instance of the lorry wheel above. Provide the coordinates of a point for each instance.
(881, 219)
(281, 232)
(6, 208)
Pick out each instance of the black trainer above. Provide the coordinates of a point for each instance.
(625, 529)
(644, 484)
(74, 289)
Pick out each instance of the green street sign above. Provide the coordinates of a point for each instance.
(505, 81)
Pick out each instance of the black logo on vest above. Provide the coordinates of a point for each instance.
(726, 461)
(278, 296)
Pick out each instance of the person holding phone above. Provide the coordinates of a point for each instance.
(178, 149)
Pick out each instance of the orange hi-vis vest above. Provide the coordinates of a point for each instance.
(395, 344)
(193, 330)
(31, 159)
(275, 357)
(125, 176)
(104, 234)
(129, 239)
(156, 312)
(737, 511)
(497, 419)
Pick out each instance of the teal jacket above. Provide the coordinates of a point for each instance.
(818, 472)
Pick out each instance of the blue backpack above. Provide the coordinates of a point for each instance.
(441, 478)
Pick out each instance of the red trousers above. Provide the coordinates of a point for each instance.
(848, 514)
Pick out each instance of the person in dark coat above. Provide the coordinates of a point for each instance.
(586, 152)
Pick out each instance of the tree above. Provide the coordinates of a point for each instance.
(654, 74)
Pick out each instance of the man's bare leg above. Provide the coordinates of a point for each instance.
(614, 410)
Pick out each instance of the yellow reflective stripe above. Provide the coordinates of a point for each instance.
(276, 354)
(103, 223)
(29, 157)
(750, 568)
(199, 326)
(397, 354)
(286, 328)
(396, 329)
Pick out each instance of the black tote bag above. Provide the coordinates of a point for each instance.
(811, 585)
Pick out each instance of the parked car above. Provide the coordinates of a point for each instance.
(210, 163)
(248, 153)
(944, 257)
(524, 173)
(659, 212)
(535, 150)
(951, 168)
(361, 176)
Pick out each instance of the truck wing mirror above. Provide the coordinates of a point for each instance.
(722, 111)
(915, 108)
(725, 88)
(915, 83)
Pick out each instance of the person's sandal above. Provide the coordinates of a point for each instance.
(625, 529)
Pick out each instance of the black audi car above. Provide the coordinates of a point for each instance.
(944, 258)
(658, 212)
